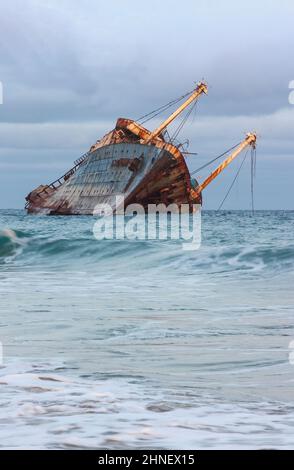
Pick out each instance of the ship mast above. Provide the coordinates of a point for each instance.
(249, 140)
(201, 88)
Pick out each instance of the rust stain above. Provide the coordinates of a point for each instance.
(119, 163)
(129, 160)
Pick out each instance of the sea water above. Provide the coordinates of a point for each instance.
(139, 344)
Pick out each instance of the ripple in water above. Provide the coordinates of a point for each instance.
(141, 345)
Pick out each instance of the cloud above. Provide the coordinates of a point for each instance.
(71, 61)
(206, 132)
(70, 69)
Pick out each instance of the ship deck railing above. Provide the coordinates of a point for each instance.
(59, 181)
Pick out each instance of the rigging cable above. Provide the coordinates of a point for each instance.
(253, 173)
(183, 122)
(171, 139)
(214, 159)
(159, 110)
(233, 182)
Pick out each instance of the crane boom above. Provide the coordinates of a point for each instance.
(249, 140)
(201, 88)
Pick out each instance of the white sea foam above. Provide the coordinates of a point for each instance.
(41, 408)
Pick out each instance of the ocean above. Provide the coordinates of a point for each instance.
(133, 344)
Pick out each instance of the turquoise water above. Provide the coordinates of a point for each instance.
(139, 344)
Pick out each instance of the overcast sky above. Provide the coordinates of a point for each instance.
(70, 68)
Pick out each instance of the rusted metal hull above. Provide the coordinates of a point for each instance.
(119, 164)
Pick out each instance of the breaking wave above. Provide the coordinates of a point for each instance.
(81, 248)
(11, 243)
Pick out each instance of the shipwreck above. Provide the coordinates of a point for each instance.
(146, 167)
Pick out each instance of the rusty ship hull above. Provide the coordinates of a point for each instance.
(142, 166)
(119, 164)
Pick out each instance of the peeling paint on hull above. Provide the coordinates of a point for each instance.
(119, 164)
